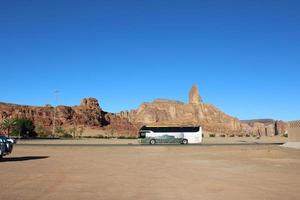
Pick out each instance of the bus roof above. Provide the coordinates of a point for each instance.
(171, 128)
(175, 126)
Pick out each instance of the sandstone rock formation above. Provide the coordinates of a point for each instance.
(168, 112)
(87, 114)
(265, 127)
(159, 112)
(194, 96)
(162, 112)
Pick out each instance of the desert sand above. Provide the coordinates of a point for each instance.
(151, 172)
(206, 140)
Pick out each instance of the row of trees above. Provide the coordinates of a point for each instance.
(18, 127)
(25, 128)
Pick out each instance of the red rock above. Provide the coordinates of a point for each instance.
(127, 123)
(162, 112)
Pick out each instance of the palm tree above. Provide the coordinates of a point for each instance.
(8, 124)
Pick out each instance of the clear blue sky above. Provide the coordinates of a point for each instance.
(244, 55)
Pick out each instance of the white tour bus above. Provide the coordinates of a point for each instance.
(167, 134)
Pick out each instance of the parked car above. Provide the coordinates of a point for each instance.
(2, 148)
(11, 140)
(6, 145)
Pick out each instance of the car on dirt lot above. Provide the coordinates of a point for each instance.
(6, 145)
(2, 148)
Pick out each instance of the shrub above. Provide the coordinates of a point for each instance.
(212, 135)
(231, 135)
(66, 135)
(60, 130)
(222, 135)
(41, 131)
(80, 131)
(76, 131)
(72, 131)
(247, 135)
(25, 128)
(285, 135)
(100, 136)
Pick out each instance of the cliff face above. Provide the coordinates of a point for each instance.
(264, 127)
(159, 112)
(87, 114)
(175, 113)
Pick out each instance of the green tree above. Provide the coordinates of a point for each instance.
(8, 124)
(24, 127)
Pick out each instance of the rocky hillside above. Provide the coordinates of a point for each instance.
(159, 112)
(87, 114)
(266, 126)
(196, 112)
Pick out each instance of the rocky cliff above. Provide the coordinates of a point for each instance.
(265, 127)
(87, 114)
(159, 112)
(162, 111)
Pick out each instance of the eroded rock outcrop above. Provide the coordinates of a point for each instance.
(87, 114)
(159, 112)
(265, 127)
(162, 111)
(169, 112)
(194, 96)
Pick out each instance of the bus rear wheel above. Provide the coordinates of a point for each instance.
(152, 141)
(184, 141)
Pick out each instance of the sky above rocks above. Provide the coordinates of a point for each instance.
(243, 55)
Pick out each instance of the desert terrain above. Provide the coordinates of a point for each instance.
(151, 172)
(115, 141)
(89, 119)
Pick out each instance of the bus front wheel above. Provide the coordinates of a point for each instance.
(152, 141)
(184, 141)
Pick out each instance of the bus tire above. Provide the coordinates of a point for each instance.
(152, 141)
(184, 141)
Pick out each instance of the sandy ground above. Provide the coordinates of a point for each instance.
(295, 145)
(151, 172)
(206, 140)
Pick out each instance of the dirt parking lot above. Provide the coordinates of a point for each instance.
(151, 172)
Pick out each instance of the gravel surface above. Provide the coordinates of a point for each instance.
(154, 173)
(215, 140)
